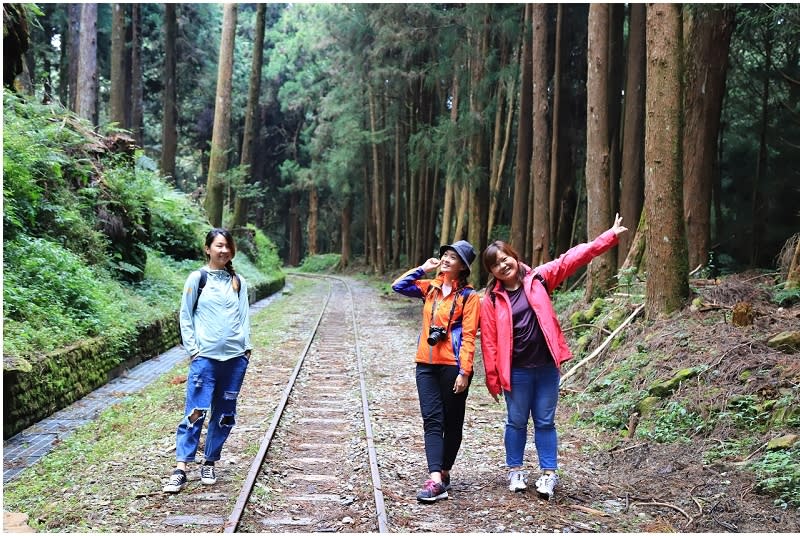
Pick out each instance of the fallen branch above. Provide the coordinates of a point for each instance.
(667, 505)
(602, 347)
(589, 510)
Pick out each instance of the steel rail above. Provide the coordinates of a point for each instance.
(380, 507)
(233, 521)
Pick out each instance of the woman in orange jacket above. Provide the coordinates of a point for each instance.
(444, 356)
(523, 348)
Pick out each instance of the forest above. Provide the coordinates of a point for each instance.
(379, 131)
(360, 137)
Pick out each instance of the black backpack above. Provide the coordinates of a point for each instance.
(203, 278)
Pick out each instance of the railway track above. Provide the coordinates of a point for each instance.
(316, 469)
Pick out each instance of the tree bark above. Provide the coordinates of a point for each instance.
(220, 138)
(346, 220)
(450, 182)
(707, 40)
(86, 89)
(379, 221)
(616, 70)
(137, 87)
(540, 161)
(169, 128)
(118, 78)
(761, 165)
(554, 145)
(251, 116)
(313, 219)
(632, 173)
(666, 252)
(519, 214)
(598, 204)
(73, 53)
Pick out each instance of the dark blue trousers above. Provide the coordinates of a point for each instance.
(442, 414)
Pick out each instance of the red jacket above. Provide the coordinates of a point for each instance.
(497, 329)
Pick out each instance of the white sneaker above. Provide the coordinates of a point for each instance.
(516, 480)
(546, 485)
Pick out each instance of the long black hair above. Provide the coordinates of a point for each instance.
(212, 234)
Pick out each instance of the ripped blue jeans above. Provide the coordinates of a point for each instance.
(212, 388)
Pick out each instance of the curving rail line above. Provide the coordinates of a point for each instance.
(250, 482)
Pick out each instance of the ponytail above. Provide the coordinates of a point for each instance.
(234, 279)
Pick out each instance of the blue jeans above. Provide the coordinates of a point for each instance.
(534, 393)
(442, 414)
(211, 387)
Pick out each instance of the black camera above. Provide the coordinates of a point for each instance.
(436, 334)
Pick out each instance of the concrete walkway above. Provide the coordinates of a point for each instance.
(30, 445)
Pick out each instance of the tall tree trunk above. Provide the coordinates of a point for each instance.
(380, 255)
(707, 40)
(220, 138)
(118, 78)
(346, 220)
(313, 218)
(169, 124)
(450, 182)
(540, 160)
(396, 209)
(497, 180)
(86, 90)
(478, 159)
(73, 52)
(616, 69)
(598, 204)
(757, 216)
(137, 82)
(554, 145)
(666, 252)
(632, 176)
(519, 214)
(251, 116)
(462, 213)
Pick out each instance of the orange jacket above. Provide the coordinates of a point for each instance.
(459, 347)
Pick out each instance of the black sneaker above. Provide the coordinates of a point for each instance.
(431, 492)
(177, 481)
(207, 475)
(446, 481)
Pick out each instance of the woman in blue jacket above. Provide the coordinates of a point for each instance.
(215, 328)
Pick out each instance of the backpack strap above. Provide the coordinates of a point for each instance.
(203, 278)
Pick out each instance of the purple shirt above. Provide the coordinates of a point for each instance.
(530, 347)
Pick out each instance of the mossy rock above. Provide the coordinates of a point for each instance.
(783, 442)
(646, 405)
(664, 388)
(788, 342)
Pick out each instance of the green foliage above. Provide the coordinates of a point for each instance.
(51, 298)
(267, 260)
(779, 473)
(320, 263)
(95, 243)
(672, 422)
(785, 296)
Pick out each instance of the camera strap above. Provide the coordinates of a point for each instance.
(452, 309)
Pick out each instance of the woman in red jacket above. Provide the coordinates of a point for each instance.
(523, 348)
(444, 357)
